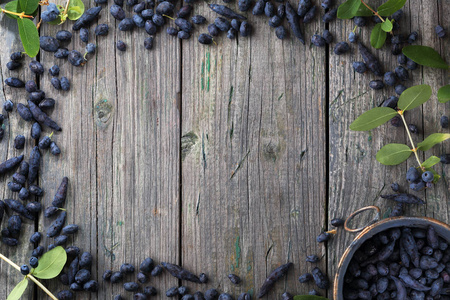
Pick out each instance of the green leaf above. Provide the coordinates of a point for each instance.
(390, 7)
(363, 11)
(74, 13)
(18, 291)
(377, 37)
(444, 94)
(309, 297)
(348, 9)
(414, 97)
(51, 263)
(393, 154)
(373, 118)
(432, 140)
(29, 36)
(387, 26)
(12, 6)
(431, 161)
(29, 6)
(76, 9)
(425, 56)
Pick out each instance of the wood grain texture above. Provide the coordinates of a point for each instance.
(77, 141)
(242, 125)
(356, 178)
(137, 116)
(13, 126)
(254, 156)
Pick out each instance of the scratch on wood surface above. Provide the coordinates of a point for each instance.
(379, 192)
(202, 78)
(267, 253)
(203, 152)
(109, 237)
(208, 69)
(281, 96)
(289, 250)
(198, 205)
(231, 130)
(333, 109)
(302, 154)
(238, 251)
(229, 103)
(239, 165)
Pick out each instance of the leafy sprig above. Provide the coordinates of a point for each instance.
(359, 8)
(394, 154)
(24, 11)
(50, 265)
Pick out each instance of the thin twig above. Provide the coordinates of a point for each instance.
(42, 287)
(29, 276)
(20, 15)
(374, 12)
(414, 149)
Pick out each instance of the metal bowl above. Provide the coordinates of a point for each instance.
(442, 229)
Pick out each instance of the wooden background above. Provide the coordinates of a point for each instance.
(224, 159)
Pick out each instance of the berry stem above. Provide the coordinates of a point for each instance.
(21, 15)
(39, 24)
(29, 276)
(374, 12)
(169, 17)
(67, 7)
(42, 287)
(414, 149)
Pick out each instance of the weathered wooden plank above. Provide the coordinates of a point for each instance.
(13, 125)
(77, 141)
(437, 206)
(253, 170)
(356, 178)
(137, 118)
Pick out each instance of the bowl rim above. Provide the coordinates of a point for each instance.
(365, 234)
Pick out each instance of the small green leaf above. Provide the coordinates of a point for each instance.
(425, 56)
(51, 263)
(444, 94)
(309, 297)
(29, 36)
(373, 118)
(393, 154)
(432, 140)
(363, 11)
(390, 7)
(76, 9)
(387, 26)
(19, 289)
(29, 6)
(377, 37)
(12, 6)
(414, 97)
(74, 13)
(77, 3)
(431, 161)
(348, 9)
